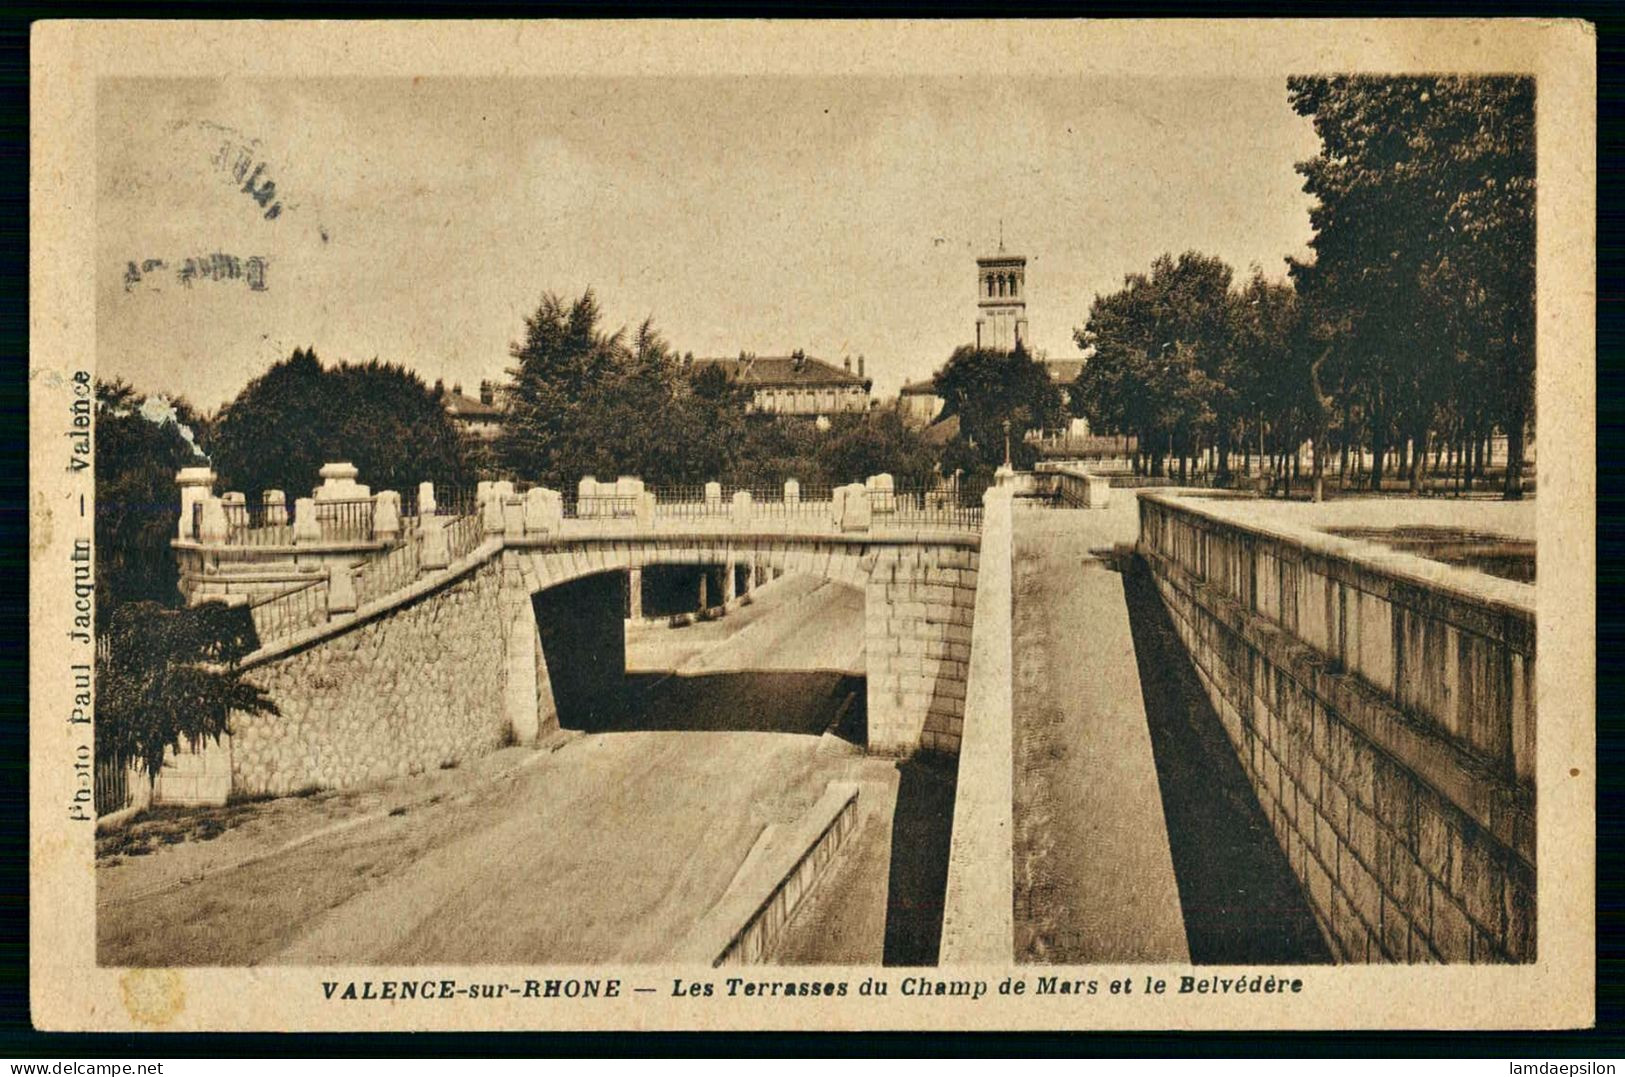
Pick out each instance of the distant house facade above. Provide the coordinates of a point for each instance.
(480, 419)
(796, 384)
(918, 403)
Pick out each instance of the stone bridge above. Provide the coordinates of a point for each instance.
(424, 639)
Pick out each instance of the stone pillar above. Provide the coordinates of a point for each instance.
(519, 694)
(853, 508)
(491, 517)
(435, 551)
(426, 502)
(196, 483)
(792, 495)
(634, 593)
(212, 528)
(276, 508)
(513, 514)
(703, 575)
(306, 528)
(482, 492)
(386, 516)
(741, 508)
(628, 496)
(338, 483)
(882, 493)
(544, 510)
(728, 585)
(646, 509)
(340, 590)
(713, 497)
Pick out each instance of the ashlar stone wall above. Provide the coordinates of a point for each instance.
(1387, 726)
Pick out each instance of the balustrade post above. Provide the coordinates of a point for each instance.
(212, 528)
(852, 508)
(426, 501)
(513, 514)
(713, 497)
(306, 528)
(341, 597)
(792, 495)
(276, 508)
(741, 508)
(434, 551)
(196, 483)
(386, 516)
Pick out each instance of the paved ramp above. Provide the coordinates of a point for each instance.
(1094, 878)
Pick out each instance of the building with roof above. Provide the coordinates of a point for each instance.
(796, 384)
(480, 419)
(918, 402)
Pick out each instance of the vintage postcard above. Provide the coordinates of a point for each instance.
(978, 525)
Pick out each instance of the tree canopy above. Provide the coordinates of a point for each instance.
(985, 388)
(583, 400)
(1425, 251)
(1412, 327)
(139, 447)
(171, 676)
(299, 415)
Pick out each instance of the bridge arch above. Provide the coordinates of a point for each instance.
(918, 602)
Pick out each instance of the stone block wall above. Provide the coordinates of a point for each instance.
(417, 688)
(919, 604)
(1387, 727)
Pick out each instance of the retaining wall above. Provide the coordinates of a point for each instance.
(1384, 708)
(417, 688)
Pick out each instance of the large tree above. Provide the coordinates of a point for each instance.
(584, 401)
(140, 444)
(998, 395)
(1162, 358)
(1424, 253)
(299, 415)
(170, 677)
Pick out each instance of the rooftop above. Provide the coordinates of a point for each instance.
(459, 406)
(783, 370)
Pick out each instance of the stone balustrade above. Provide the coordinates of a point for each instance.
(342, 528)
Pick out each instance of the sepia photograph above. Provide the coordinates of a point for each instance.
(930, 536)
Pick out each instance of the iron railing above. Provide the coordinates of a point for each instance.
(600, 507)
(463, 534)
(950, 505)
(347, 520)
(287, 612)
(246, 526)
(383, 575)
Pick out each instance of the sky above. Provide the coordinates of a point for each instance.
(421, 220)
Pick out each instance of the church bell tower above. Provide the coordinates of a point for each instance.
(1001, 303)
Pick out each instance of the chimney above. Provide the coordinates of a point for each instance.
(439, 388)
(488, 392)
(456, 388)
(860, 366)
(849, 364)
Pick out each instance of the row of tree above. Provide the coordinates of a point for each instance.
(1410, 332)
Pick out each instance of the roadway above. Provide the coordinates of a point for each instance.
(605, 848)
